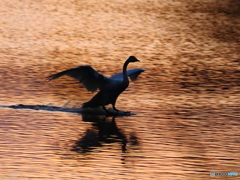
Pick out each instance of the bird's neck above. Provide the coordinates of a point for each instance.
(125, 77)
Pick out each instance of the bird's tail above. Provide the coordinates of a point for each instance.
(96, 101)
(85, 105)
(89, 104)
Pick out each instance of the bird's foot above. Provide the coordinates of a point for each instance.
(124, 112)
(112, 113)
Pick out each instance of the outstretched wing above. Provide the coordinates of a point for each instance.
(91, 79)
(132, 73)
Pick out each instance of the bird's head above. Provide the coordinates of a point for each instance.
(132, 59)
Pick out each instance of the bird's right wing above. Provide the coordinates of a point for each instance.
(132, 74)
(91, 79)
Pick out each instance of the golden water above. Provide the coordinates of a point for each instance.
(187, 103)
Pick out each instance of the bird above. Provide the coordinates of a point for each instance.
(110, 88)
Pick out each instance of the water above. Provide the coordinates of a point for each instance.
(186, 104)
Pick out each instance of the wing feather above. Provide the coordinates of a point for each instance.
(90, 78)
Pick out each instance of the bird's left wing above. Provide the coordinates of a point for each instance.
(90, 78)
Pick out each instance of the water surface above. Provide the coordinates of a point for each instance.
(186, 104)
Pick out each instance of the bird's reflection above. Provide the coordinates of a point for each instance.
(104, 130)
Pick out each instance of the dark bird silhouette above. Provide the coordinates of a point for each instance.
(110, 88)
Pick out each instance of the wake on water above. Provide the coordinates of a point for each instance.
(90, 111)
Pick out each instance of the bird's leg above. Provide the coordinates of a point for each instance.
(113, 105)
(106, 110)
